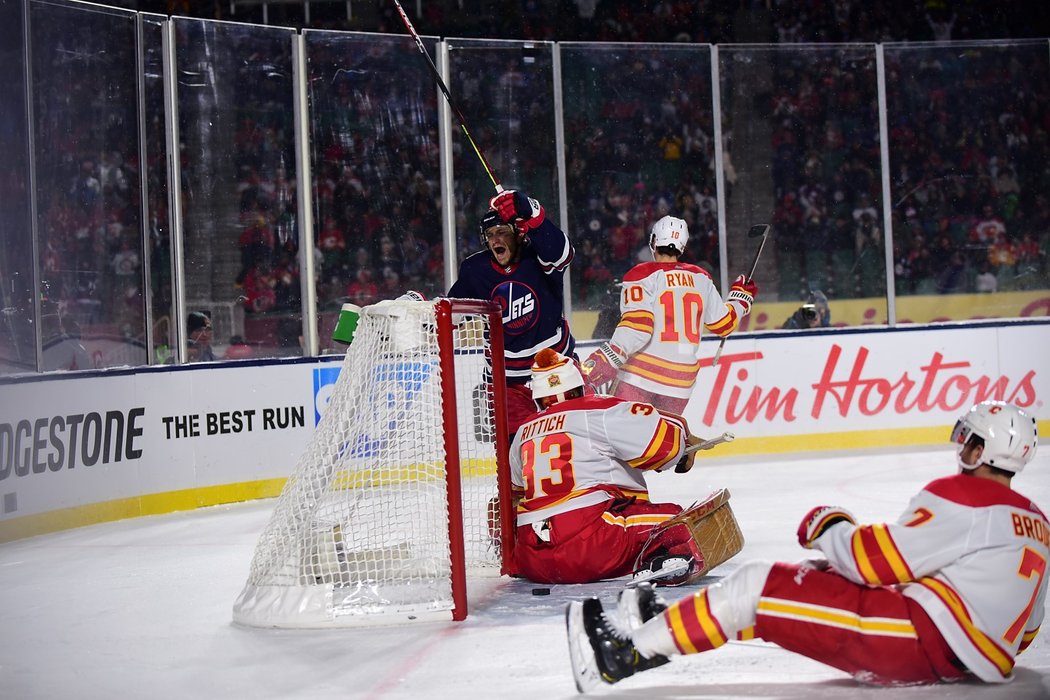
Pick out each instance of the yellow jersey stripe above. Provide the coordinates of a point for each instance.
(989, 649)
(837, 618)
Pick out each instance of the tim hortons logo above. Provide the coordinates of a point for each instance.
(938, 385)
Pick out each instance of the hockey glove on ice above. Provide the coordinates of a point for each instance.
(819, 520)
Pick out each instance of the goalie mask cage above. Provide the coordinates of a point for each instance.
(389, 506)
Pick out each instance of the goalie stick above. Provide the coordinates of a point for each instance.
(708, 444)
(448, 97)
(753, 232)
(682, 466)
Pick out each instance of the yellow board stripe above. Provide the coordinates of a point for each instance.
(836, 617)
(20, 527)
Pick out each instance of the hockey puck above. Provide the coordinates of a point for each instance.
(541, 591)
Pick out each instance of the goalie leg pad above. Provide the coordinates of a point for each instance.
(713, 534)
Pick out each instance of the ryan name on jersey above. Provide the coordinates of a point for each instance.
(679, 279)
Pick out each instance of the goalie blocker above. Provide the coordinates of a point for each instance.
(708, 528)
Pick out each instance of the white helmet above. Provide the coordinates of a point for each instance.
(553, 374)
(1009, 434)
(670, 230)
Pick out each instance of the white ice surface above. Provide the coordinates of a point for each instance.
(141, 608)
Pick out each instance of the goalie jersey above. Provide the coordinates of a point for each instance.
(663, 308)
(587, 450)
(989, 609)
(530, 294)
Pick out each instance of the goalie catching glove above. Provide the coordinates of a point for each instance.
(743, 291)
(818, 521)
(601, 366)
(518, 208)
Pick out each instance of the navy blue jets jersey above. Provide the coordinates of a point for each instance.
(530, 294)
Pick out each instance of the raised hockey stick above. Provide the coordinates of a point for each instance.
(754, 232)
(448, 96)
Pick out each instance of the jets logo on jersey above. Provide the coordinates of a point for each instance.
(518, 302)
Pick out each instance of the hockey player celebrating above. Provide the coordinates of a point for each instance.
(577, 470)
(663, 306)
(522, 268)
(955, 589)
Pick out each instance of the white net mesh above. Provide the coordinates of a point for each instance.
(360, 533)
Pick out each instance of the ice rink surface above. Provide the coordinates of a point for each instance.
(141, 608)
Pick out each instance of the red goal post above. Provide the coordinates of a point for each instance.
(388, 508)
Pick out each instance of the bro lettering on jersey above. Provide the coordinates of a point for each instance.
(1031, 528)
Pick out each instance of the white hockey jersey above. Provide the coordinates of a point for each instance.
(973, 553)
(663, 310)
(587, 450)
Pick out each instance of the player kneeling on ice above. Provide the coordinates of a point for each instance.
(953, 590)
(578, 472)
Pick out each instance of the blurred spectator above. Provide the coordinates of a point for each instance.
(363, 291)
(256, 243)
(391, 287)
(805, 316)
(985, 282)
(815, 312)
(988, 228)
(62, 347)
(259, 293)
(867, 234)
(287, 292)
(1003, 257)
(238, 349)
(199, 334)
(332, 244)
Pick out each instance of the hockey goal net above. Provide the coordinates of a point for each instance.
(388, 508)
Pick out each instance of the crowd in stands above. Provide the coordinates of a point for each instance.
(87, 174)
(969, 170)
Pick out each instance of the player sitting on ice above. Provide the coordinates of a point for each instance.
(578, 473)
(664, 305)
(953, 590)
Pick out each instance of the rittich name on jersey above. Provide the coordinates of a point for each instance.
(547, 424)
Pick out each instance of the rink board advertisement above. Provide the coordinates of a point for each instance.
(81, 449)
(850, 389)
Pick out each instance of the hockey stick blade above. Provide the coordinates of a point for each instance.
(708, 444)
